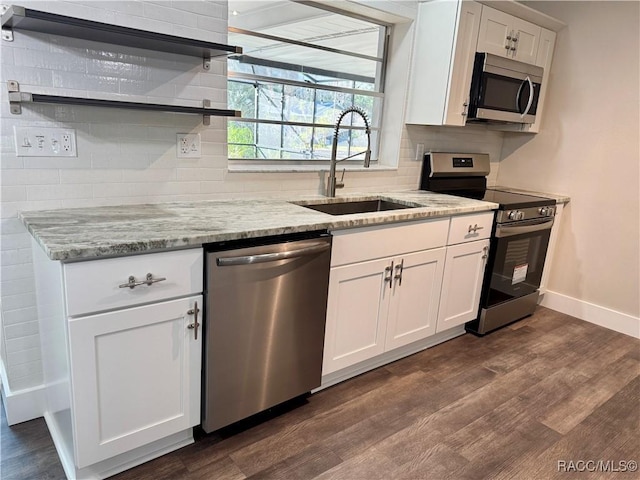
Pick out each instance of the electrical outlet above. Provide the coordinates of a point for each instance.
(419, 152)
(45, 142)
(188, 145)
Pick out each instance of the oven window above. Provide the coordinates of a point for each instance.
(516, 266)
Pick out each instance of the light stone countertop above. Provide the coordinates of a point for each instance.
(86, 233)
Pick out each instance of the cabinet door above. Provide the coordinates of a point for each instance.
(462, 283)
(462, 64)
(495, 27)
(356, 313)
(135, 377)
(508, 36)
(413, 308)
(526, 41)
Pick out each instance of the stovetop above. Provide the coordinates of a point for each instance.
(509, 200)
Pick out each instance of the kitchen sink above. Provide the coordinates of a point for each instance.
(359, 206)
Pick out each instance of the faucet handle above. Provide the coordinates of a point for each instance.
(340, 184)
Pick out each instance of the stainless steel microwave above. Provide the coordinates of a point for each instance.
(503, 90)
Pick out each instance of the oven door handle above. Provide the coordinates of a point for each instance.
(503, 230)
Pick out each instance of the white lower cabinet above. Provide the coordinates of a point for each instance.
(133, 377)
(380, 305)
(383, 290)
(461, 287)
(393, 287)
(122, 343)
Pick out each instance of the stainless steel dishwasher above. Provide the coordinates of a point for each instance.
(266, 302)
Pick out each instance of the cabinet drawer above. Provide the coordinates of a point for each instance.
(94, 285)
(467, 228)
(368, 243)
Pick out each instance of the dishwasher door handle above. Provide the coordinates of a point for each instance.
(272, 257)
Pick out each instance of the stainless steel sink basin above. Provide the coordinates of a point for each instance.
(359, 206)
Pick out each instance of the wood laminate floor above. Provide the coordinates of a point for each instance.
(521, 403)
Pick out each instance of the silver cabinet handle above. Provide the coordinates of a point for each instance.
(149, 280)
(486, 252)
(388, 274)
(272, 257)
(194, 326)
(399, 270)
(474, 228)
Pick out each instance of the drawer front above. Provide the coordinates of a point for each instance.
(369, 243)
(468, 228)
(95, 285)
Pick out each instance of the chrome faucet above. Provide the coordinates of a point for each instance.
(332, 184)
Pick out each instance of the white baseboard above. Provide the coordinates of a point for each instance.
(21, 405)
(592, 313)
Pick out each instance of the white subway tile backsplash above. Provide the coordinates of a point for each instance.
(93, 83)
(20, 330)
(25, 371)
(21, 300)
(59, 192)
(22, 356)
(17, 285)
(20, 315)
(13, 194)
(168, 14)
(15, 241)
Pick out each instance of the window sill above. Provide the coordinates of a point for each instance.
(236, 168)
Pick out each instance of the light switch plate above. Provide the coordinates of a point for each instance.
(45, 142)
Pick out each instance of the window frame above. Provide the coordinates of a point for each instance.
(377, 94)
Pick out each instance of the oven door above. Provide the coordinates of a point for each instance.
(516, 261)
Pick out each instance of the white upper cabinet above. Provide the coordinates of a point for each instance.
(448, 33)
(442, 64)
(508, 36)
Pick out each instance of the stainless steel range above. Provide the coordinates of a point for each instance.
(521, 233)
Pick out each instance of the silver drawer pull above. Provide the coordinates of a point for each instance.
(149, 280)
(474, 228)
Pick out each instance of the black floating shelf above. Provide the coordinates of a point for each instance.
(94, 102)
(21, 18)
(17, 98)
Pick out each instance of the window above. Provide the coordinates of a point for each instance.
(300, 67)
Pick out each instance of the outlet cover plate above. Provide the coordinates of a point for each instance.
(188, 145)
(45, 142)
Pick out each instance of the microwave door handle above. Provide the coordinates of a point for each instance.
(526, 110)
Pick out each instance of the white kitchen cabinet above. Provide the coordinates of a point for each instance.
(462, 284)
(122, 366)
(135, 375)
(445, 39)
(508, 36)
(464, 266)
(544, 60)
(384, 289)
(376, 306)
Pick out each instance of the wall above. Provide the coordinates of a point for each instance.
(127, 157)
(589, 149)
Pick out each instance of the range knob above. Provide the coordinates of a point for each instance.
(544, 211)
(515, 215)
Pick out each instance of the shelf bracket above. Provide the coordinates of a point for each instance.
(7, 32)
(206, 119)
(15, 97)
(206, 63)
